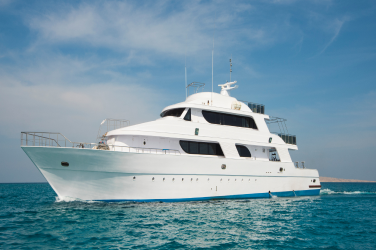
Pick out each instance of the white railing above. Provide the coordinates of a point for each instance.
(143, 150)
(50, 139)
(54, 139)
(110, 124)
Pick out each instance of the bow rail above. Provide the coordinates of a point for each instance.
(55, 139)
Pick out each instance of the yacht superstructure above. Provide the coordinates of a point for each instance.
(211, 146)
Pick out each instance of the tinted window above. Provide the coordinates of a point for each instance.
(243, 151)
(187, 116)
(201, 148)
(184, 145)
(173, 112)
(230, 120)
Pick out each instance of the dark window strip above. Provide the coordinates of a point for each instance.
(173, 112)
(187, 116)
(243, 151)
(230, 120)
(201, 148)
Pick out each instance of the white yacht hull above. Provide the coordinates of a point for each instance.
(122, 176)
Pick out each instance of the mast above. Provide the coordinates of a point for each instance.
(213, 60)
(230, 67)
(186, 94)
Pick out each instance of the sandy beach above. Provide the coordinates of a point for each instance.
(331, 179)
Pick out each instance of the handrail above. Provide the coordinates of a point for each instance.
(138, 149)
(255, 107)
(44, 139)
(287, 138)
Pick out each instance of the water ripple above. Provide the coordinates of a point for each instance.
(342, 217)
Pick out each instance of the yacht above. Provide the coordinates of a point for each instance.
(211, 146)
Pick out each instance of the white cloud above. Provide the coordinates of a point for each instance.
(53, 95)
(5, 2)
(122, 26)
(152, 28)
(336, 27)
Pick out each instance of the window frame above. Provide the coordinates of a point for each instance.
(243, 146)
(168, 110)
(220, 119)
(211, 148)
(189, 112)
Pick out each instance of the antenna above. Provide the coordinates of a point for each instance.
(213, 59)
(227, 87)
(212, 72)
(230, 67)
(186, 94)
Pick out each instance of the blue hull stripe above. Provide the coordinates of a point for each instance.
(238, 196)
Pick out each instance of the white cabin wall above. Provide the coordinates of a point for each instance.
(111, 140)
(123, 140)
(260, 122)
(284, 154)
(197, 116)
(150, 142)
(260, 153)
(229, 150)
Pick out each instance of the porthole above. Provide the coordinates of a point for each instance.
(196, 131)
(152, 179)
(64, 164)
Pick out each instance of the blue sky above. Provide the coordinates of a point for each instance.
(65, 66)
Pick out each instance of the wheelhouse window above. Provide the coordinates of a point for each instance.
(173, 112)
(243, 151)
(201, 148)
(187, 116)
(230, 120)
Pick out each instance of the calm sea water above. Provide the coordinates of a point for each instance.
(342, 217)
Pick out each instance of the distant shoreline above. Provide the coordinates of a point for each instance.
(331, 179)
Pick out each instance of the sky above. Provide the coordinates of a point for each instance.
(67, 65)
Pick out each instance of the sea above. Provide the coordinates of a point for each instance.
(343, 216)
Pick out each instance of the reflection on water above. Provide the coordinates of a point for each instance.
(342, 217)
